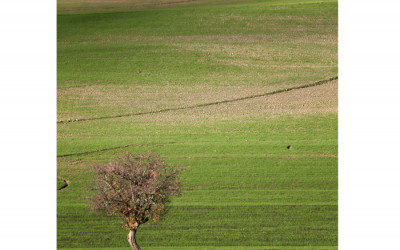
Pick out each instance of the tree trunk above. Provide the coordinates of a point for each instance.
(132, 240)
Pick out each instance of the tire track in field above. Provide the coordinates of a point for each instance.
(113, 148)
(66, 183)
(203, 104)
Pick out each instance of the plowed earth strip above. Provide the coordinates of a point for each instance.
(204, 104)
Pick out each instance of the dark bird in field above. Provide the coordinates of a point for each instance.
(289, 147)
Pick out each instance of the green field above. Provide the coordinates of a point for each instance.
(120, 62)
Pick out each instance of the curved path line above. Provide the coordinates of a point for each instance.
(106, 149)
(66, 183)
(204, 104)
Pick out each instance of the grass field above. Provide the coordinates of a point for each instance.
(242, 188)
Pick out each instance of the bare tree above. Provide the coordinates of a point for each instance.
(136, 187)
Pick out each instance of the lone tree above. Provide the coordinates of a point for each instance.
(137, 188)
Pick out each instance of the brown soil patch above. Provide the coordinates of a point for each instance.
(198, 40)
(312, 100)
(117, 99)
(77, 6)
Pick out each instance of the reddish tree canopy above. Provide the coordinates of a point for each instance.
(136, 187)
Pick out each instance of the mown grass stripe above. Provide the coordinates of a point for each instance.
(204, 104)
